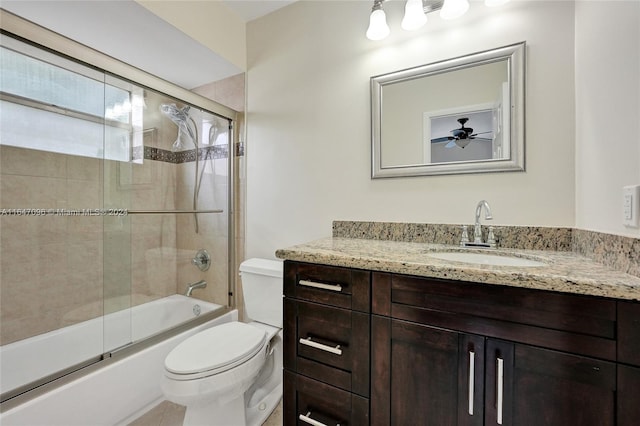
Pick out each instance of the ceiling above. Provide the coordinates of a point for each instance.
(159, 48)
(249, 10)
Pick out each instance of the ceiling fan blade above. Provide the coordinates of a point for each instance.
(481, 133)
(451, 144)
(442, 139)
(482, 139)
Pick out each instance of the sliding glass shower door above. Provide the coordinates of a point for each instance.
(108, 192)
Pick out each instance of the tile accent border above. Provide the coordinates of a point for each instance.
(614, 251)
(157, 154)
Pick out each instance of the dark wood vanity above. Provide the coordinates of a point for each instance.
(327, 323)
(364, 347)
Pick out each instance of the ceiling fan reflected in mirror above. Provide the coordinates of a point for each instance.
(462, 136)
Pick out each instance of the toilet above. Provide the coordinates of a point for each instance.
(231, 374)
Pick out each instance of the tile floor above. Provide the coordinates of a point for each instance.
(170, 414)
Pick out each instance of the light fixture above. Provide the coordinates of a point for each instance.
(415, 14)
(378, 28)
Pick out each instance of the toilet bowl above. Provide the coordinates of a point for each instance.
(231, 374)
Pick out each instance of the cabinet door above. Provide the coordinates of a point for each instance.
(628, 394)
(424, 375)
(526, 385)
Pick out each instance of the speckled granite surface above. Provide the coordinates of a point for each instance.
(517, 237)
(614, 251)
(563, 271)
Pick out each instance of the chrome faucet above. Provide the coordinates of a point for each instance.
(193, 286)
(477, 228)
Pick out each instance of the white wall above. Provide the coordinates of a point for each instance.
(308, 134)
(607, 112)
(211, 23)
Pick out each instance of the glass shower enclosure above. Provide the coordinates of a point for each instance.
(114, 198)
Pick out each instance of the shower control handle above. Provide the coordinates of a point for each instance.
(202, 260)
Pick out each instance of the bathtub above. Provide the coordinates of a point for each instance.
(110, 395)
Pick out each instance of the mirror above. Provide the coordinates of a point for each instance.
(462, 115)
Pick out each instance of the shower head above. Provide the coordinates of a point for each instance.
(180, 117)
(217, 127)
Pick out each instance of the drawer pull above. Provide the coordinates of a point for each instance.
(472, 366)
(332, 287)
(307, 419)
(308, 342)
(500, 378)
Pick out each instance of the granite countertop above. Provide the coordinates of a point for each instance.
(566, 272)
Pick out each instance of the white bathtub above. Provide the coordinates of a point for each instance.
(108, 395)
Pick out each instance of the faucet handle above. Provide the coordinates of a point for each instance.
(491, 238)
(202, 260)
(464, 239)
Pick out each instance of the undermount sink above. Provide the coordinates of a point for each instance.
(485, 259)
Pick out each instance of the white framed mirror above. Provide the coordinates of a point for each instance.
(461, 115)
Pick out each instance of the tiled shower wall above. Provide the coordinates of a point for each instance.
(50, 265)
(59, 270)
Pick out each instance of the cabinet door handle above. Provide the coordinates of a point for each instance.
(332, 287)
(307, 419)
(472, 375)
(308, 342)
(500, 390)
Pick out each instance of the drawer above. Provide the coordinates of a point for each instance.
(310, 402)
(572, 323)
(328, 344)
(329, 285)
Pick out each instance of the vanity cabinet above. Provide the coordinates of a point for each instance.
(629, 363)
(326, 345)
(364, 347)
(453, 353)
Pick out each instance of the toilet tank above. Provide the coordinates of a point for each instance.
(262, 290)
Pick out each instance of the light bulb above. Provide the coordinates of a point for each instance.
(414, 16)
(492, 3)
(454, 9)
(378, 28)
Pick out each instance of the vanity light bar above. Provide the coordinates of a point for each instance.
(415, 14)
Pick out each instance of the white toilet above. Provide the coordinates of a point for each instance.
(231, 374)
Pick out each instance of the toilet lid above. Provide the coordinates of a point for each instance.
(225, 345)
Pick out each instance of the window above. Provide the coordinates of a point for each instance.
(52, 104)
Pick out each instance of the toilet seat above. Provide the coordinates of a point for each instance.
(214, 351)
